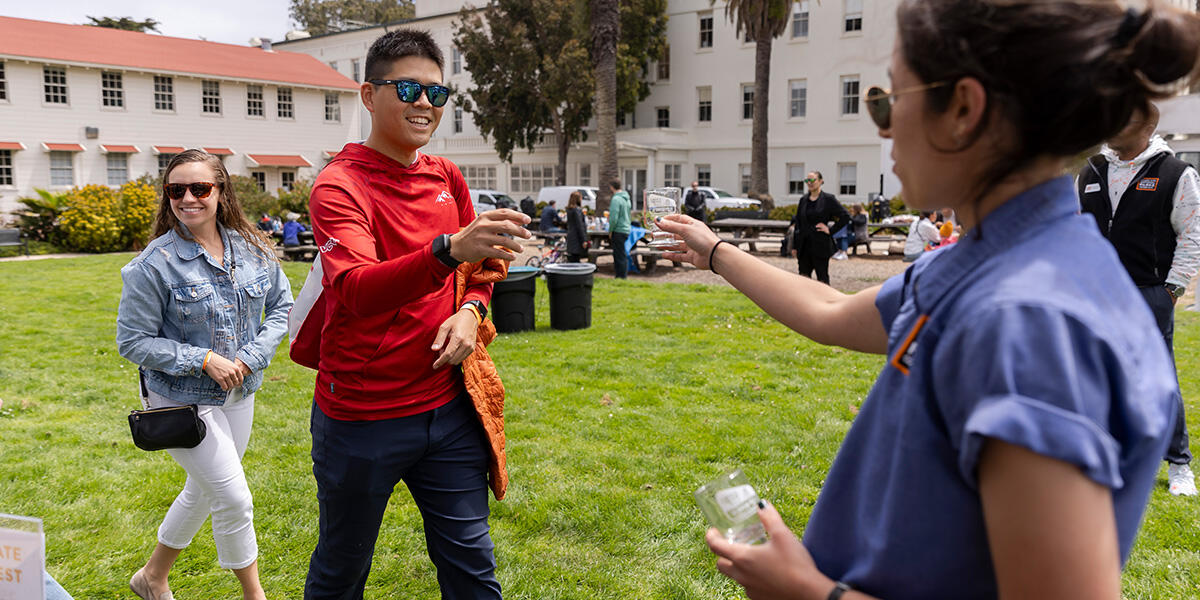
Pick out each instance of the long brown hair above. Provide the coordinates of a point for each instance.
(229, 210)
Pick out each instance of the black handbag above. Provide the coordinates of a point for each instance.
(162, 428)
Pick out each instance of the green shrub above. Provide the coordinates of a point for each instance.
(255, 202)
(783, 213)
(295, 200)
(39, 217)
(897, 204)
(91, 221)
(138, 203)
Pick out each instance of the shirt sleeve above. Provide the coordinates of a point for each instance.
(140, 318)
(359, 280)
(1034, 377)
(890, 297)
(1185, 219)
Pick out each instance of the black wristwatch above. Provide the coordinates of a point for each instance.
(839, 588)
(1176, 291)
(479, 306)
(441, 251)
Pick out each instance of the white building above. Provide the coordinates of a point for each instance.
(696, 124)
(81, 105)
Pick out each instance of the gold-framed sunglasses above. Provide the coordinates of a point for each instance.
(879, 101)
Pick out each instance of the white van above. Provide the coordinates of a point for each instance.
(485, 200)
(561, 193)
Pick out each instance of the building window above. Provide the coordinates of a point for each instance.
(458, 118)
(850, 94)
(706, 30)
(673, 175)
(164, 93)
(112, 93)
(54, 80)
(703, 175)
(62, 168)
(287, 180)
(744, 172)
(531, 178)
(800, 19)
(3, 83)
(283, 103)
(118, 168)
(163, 161)
(664, 64)
(795, 179)
(254, 100)
(333, 107)
(210, 97)
(356, 70)
(847, 179)
(798, 97)
(480, 177)
(455, 61)
(585, 174)
(260, 180)
(664, 116)
(854, 15)
(747, 100)
(704, 96)
(6, 168)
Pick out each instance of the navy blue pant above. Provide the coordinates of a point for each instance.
(442, 456)
(1163, 308)
(620, 256)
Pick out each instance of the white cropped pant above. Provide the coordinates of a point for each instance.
(216, 484)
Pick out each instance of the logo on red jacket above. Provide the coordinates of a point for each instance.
(445, 197)
(1148, 184)
(329, 244)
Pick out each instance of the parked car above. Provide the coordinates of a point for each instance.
(561, 193)
(485, 200)
(715, 198)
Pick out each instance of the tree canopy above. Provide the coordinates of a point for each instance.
(125, 23)
(328, 16)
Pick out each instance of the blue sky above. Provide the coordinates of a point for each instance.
(229, 21)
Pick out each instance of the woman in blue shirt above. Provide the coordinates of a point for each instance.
(203, 309)
(1011, 441)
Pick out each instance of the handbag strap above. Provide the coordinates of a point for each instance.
(143, 393)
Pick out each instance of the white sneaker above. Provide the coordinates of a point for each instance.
(1180, 480)
(840, 255)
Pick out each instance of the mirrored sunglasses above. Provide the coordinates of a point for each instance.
(809, 180)
(200, 190)
(410, 91)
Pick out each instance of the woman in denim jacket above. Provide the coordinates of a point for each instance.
(203, 309)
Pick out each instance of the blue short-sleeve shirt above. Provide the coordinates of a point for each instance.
(1031, 333)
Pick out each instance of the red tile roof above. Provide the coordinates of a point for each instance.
(118, 148)
(12, 146)
(53, 147)
(219, 151)
(279, 160)
(84, 44)
(168, 149)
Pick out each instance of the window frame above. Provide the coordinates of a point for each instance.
(527, 182)
(3, 83)
(747, 101)
(663, 68)
(745, 177)
(333, 110)
(796, 187)
(122, 169)
(704, 175)
(705, 40)
(59, 169)
(455, 60)
(210, 97)
(479, 177)
(112, 90)
(799, 17)
(458, 118)
(8, 173)
(797, 104)
(289, 102)
(260, 179)
(164, 93)
(252, 103)
(60, 88)
(673, 175)
(287, 179)
(852, 20)
(704, 108)
(662, 116)
(850, 102)
(844, 188)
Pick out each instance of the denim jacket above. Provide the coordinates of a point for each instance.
(177, 303)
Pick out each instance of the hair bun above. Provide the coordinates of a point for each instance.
(1167, 47)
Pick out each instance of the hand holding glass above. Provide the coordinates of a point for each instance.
(660, 202)
(731, 505)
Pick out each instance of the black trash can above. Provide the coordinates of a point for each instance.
(570, 286)
(512, 300)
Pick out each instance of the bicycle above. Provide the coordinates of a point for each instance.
(551, 254)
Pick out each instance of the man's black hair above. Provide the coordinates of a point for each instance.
(398, 44)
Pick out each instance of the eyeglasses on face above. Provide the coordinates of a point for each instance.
(879, 101)
(410, 91)
(811, 180)
(200, 190)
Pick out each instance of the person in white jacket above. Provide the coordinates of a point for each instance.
(1147, 203)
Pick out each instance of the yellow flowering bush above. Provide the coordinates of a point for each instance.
(138, 203)
(91, 223)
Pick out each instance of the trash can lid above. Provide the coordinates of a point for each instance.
(571, 268)
(519, 273)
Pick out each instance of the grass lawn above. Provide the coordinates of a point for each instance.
(610, 430)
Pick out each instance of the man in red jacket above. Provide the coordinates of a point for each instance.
(392, 224)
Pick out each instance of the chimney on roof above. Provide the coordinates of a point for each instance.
(266, 44)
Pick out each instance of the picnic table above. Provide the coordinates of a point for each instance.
(749, 231)
(877, 229)
(306, 251)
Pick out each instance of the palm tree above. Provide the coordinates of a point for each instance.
(761, 21)
(605, 28)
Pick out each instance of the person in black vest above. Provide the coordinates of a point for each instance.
(693, 203)
(1146, 202)
(817, 214)
(577, 238)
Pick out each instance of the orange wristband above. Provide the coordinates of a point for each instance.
(206, 357)
(474, 311)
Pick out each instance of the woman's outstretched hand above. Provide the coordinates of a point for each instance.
(781, 568)
(696, 240)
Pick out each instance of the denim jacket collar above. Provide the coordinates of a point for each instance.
(190, 249)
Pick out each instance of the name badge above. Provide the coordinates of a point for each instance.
(1091, 187)
(903, 358)
(1148, 184)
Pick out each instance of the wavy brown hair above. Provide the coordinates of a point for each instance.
(229, 210)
